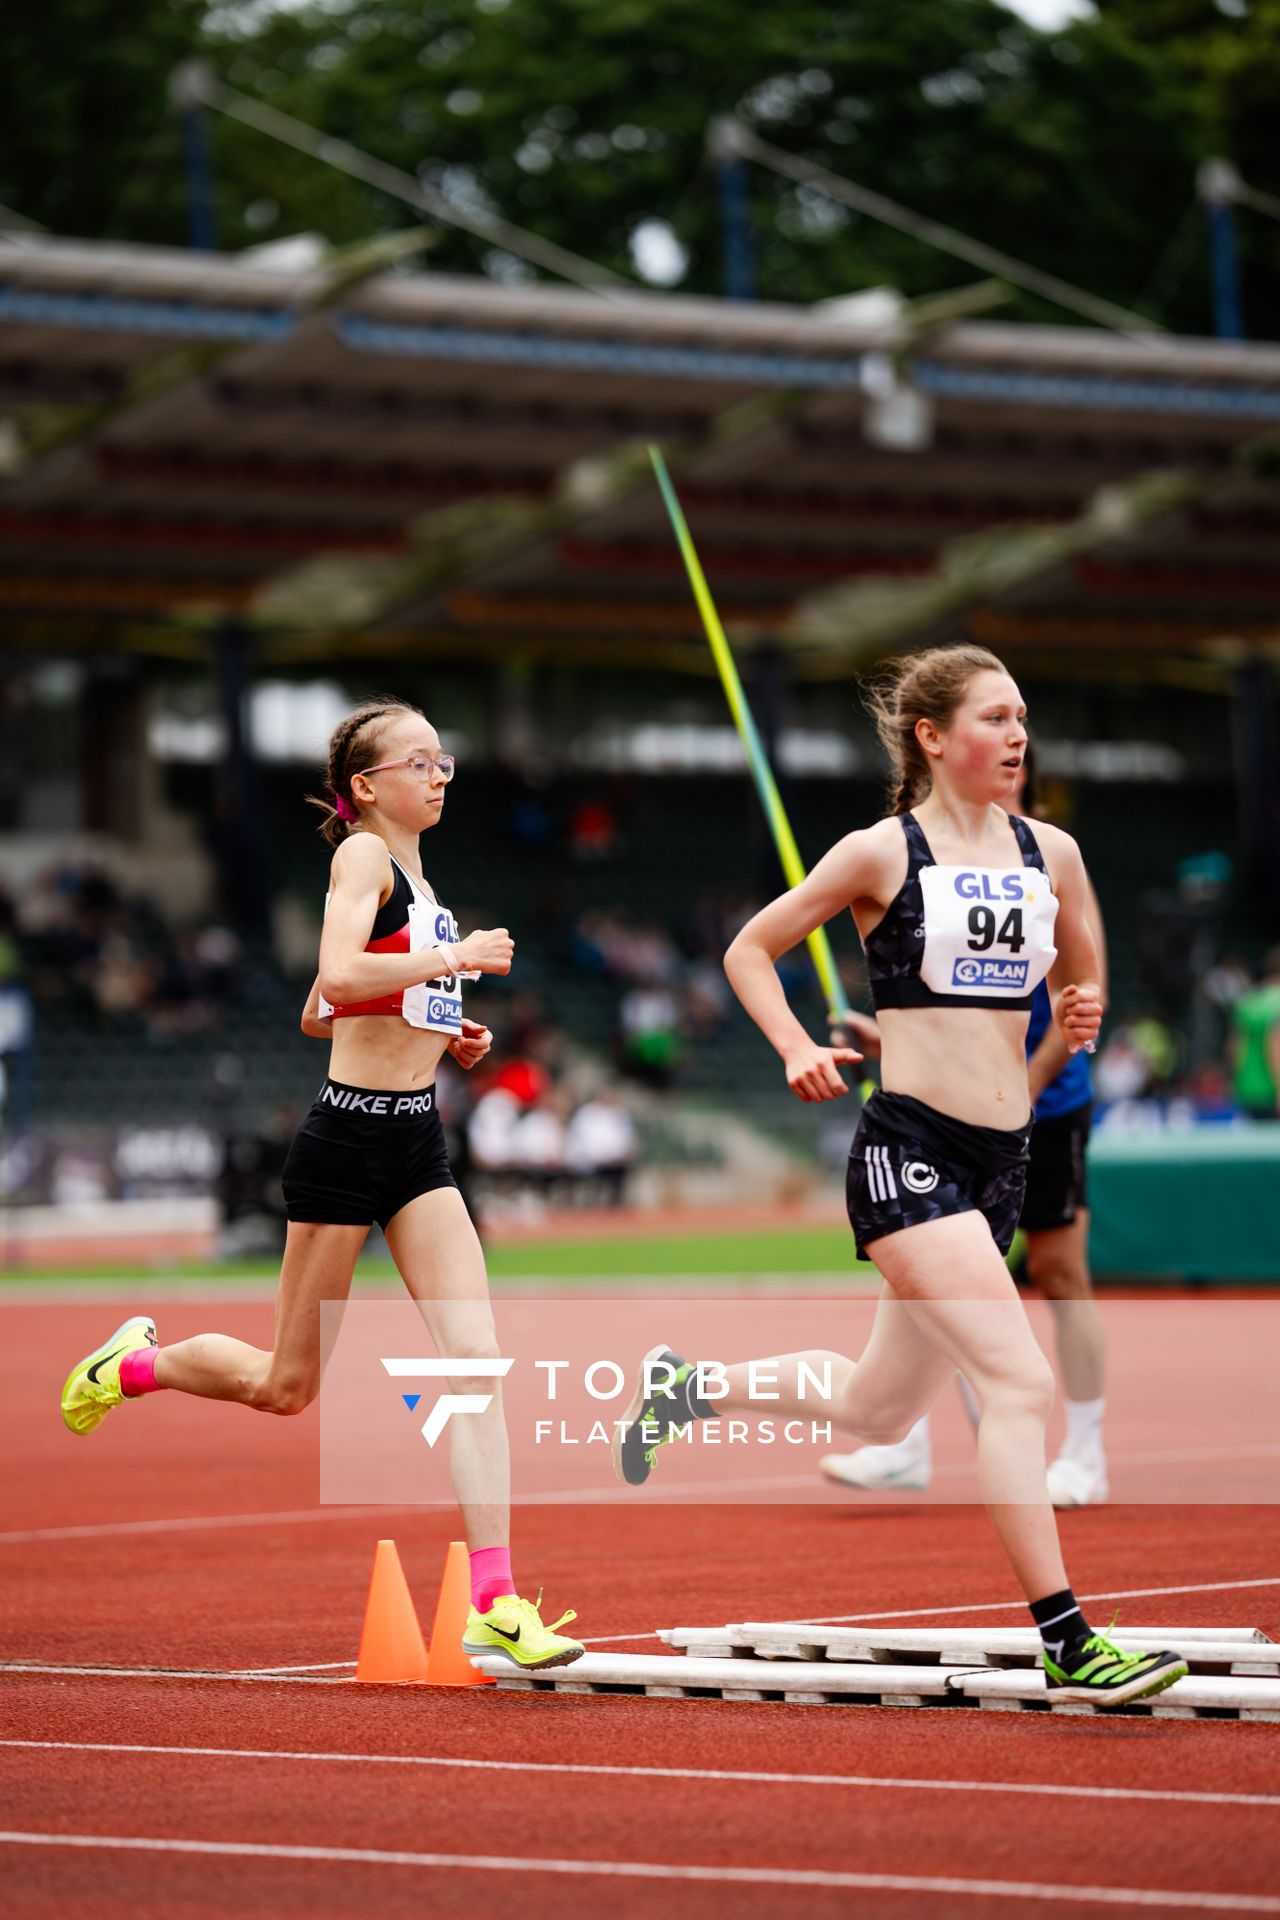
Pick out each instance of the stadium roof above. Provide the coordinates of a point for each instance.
(393, 461)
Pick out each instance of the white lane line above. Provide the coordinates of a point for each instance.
(1019, 1606)
(242, 1675)
(560, 1497)
(1253, 1450)
(736, 1777)
(674, 1495)
(304, 1666)
(135, 1293)
(986, 1606)
(192, 1523)
(1023, 1890)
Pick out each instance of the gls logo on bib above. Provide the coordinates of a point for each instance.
(983, 886)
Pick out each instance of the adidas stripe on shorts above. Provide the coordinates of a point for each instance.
(909, 1163)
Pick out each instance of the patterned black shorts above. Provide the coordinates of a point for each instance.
(909, 1163)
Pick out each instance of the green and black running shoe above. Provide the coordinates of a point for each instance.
(656, 1409)
(1104, 1675)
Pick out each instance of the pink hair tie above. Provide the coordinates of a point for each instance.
(344, 809)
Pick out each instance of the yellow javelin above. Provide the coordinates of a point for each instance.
(758, 761)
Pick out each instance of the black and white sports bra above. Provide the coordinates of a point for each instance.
(964, 936)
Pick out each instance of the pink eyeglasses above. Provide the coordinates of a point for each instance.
(422, 764)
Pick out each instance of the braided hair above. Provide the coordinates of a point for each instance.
(352, 748)
(920, 686)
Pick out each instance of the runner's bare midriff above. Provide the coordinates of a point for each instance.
(967, 1062)
(382, 1050)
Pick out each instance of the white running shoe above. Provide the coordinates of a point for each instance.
(1075, 1482)
(905, 1468)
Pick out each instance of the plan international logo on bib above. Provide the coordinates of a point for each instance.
(1011, 975)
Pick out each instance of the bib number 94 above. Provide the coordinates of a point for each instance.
(984, 933)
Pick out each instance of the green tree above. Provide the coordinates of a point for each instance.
(1223, 56)
(582, 119)
(88, 144)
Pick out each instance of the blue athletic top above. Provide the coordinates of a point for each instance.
(1073, 1087)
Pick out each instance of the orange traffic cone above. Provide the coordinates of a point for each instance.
(391, 1646)
(447, 1664)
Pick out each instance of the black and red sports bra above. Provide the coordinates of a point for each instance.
(406, 921)
(964, 936)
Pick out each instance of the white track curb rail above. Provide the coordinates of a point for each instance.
(1239, 1650)
(1234, 1671)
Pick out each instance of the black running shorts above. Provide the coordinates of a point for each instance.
(1057, 1180)
(909, 1163)
(361, 1155)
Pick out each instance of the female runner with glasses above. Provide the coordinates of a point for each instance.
(963, 909)
(388, 997)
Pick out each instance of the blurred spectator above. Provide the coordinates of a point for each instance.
(609, 941)
(707, 999)
(593, 830)
(112, 955)
(530, 1156)
(1209, 1090)
(491, 1134)
(1255, 1043)
(121, 980)
(215, 955)
(527, 1081)
(538, 1147)
(1138, 1059)
(248, 1185)
(649, 1035)
(1159, 1045)
(1121, 1071)
(601, 1147)
(17, 1028)
(1225, 981)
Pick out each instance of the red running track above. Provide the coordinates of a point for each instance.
(374, 1787)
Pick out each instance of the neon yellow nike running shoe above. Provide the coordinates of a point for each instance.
(513, 1628)
(93, 1384)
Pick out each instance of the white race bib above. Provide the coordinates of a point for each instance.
(988, 931)
(436, 1004)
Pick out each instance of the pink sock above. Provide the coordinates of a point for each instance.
(138, 1373)
(490, 1575)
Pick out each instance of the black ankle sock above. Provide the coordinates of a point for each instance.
(699, 1408)
(1063, 1627)
(682, 1400)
